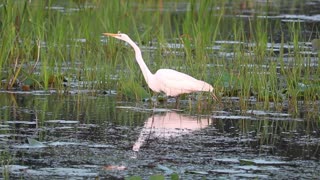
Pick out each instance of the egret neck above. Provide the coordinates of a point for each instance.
(144, 68)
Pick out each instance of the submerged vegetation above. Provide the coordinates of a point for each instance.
(59, 45)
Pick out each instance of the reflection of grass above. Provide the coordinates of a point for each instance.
(39, 42)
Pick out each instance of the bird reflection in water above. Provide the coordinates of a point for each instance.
(168, 125)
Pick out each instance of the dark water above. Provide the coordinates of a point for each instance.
(47, 135)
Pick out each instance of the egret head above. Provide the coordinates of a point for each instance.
(119, 35)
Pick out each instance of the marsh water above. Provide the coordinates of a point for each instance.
(47, 135)
(93, 134)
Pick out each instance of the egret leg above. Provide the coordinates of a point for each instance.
(154, 100)
(214, 96)
(177, 102)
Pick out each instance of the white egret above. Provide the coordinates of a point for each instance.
(168, 81)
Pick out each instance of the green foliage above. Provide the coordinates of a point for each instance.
(157, 177)
(5, 159)
(45, 39)
(133, 90)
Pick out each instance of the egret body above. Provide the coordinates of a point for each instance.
(168, 81)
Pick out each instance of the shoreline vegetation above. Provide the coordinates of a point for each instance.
(59, 45)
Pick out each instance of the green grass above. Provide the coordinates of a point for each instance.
(5, 159)
(40, 42)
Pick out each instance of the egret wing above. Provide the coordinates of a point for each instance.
(174, 83)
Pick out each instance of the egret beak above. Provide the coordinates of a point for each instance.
(110, 34)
